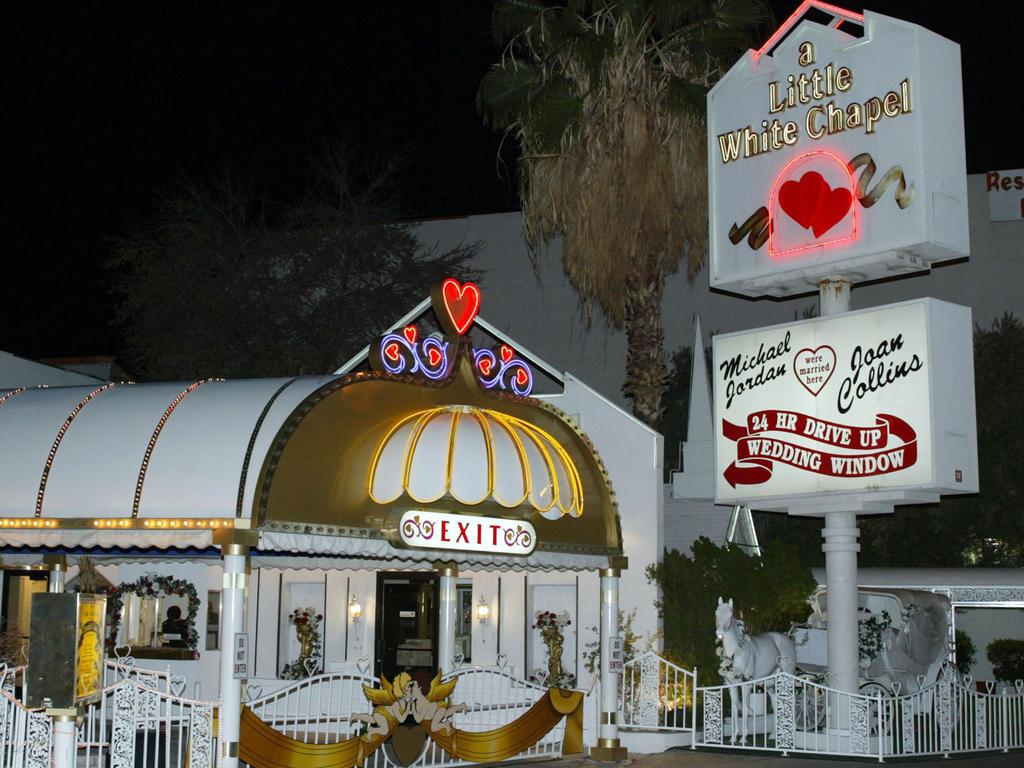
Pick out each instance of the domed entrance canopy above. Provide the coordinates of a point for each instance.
(360, 452)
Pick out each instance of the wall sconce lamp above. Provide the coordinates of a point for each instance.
(355, 610)
(483, 611)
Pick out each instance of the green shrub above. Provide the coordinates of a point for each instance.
(770, 592)
(1007, 657)
(966, 653)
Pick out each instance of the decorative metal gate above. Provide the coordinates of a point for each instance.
(144, 720)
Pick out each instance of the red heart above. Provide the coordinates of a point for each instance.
(813, 204)
(462, 302)
(521, 377)
(485, 366)
(391, 350)
(434, 356)
(411, 332)
(506, 352)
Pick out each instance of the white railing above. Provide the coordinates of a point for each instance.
(657, 695)
(317, 709)
(25, 734)
(785, 713)
(950, 717)
(493, 698)
(133, 725)
(125, 668)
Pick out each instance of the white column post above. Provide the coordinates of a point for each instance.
(840, 548)
(58, 572)
(608, 747)
(64, 738)
(236, 566)
(446, 615)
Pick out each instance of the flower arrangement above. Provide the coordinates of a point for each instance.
(549, 620)
(871, 632)
(153, 586)
(550, 626)
(307, 626)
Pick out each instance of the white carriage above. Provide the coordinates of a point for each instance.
(905, 639)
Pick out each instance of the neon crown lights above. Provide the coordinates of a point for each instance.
(456, 306)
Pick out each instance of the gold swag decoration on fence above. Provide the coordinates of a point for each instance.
(394, 703)
(758, 225)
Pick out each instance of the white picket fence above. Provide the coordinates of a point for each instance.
(790, 714)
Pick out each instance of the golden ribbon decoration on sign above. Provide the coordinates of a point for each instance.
(263, 747)
(758, 225)
(904, 194)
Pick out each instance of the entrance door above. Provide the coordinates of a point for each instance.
(407, 626)
(16, 610)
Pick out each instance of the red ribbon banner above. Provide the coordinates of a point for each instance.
(870, 451)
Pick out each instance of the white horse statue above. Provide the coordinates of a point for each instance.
(749, 657)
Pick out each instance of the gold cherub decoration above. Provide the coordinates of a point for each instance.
(396, 700)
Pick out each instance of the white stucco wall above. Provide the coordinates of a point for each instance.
(632, 456)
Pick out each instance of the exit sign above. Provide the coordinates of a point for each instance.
(1005, 195)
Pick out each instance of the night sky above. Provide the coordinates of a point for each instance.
(104, 103)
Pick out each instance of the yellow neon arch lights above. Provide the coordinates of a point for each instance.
(475, 455)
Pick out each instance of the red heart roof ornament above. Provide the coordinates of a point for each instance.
(461, 303)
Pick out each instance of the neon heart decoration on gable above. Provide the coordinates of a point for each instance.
(461, 303)
(411, 332)
(506, 352)
(391, 350)
(814, 367)
(434, 356)
(485, 365)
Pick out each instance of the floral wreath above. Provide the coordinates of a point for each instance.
(293, 670)
(152, 586)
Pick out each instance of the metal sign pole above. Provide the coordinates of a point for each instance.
(840, 547)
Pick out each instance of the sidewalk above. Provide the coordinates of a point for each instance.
(686, 758)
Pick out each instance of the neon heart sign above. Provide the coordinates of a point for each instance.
(812, 205)
(503, 370)
(461, 303)
(456, 306)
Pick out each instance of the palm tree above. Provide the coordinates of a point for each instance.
(607, 100)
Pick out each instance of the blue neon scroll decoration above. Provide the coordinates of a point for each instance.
(503, 371)
(400, 353)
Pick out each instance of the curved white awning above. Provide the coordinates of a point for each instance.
(144, 452)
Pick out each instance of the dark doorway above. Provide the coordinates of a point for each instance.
(406, 637)
(16, 609)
